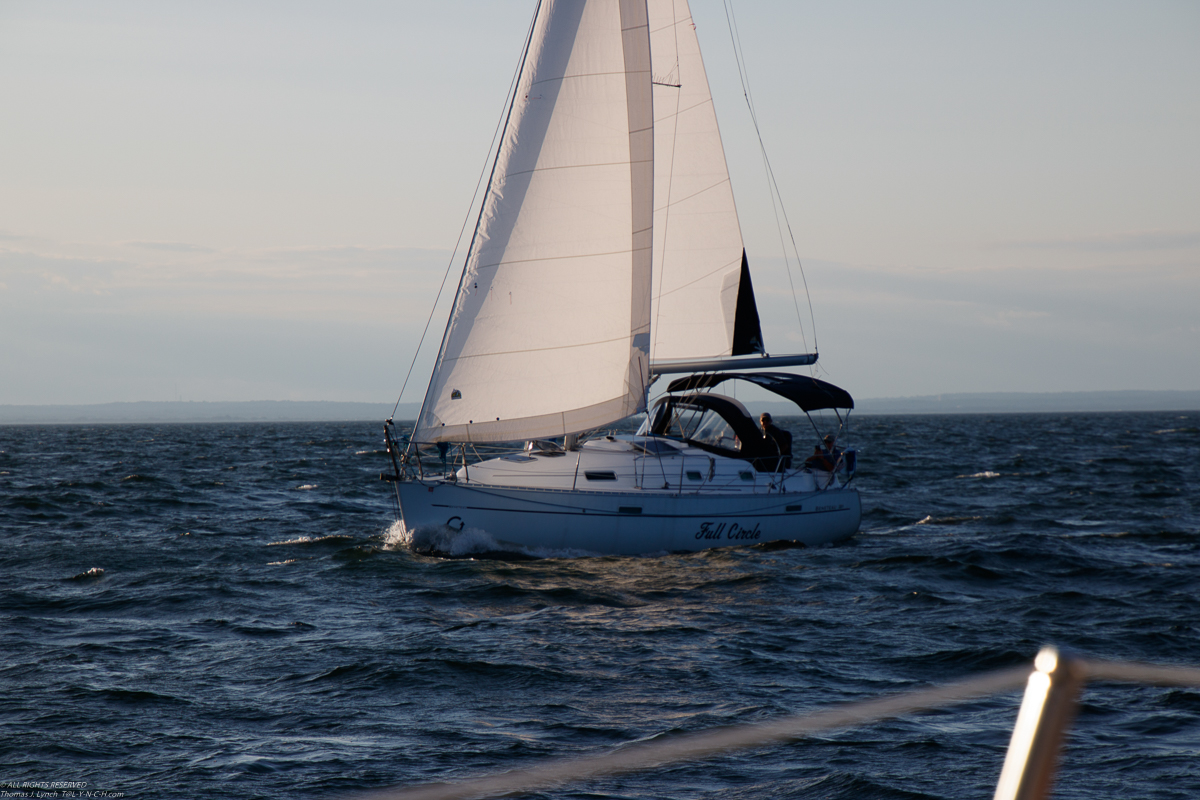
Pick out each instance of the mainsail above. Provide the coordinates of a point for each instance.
(703, 301)
(550, 329)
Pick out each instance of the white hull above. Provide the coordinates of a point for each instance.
(632, 522)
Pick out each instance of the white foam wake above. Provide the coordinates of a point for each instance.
(441, 539)
(455, 543)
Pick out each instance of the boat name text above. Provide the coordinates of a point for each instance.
(727, 530)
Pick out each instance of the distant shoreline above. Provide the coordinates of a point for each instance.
(152, 412)
(1033, 402)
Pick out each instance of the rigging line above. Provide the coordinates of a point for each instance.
(773, 185)
(796, 250)
(501, 125)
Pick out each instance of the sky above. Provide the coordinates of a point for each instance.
(216, 201)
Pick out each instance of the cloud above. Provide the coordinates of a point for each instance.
(172, 247)
(30, 275)
(894, 330)
(125, 322)
(313, 284)
(1112, 243)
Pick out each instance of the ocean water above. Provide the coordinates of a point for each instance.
(228, 610)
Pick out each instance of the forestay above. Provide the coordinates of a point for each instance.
(550, 330)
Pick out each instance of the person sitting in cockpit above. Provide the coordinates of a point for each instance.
(825, 455)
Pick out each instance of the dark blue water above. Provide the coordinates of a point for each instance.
(258, 629)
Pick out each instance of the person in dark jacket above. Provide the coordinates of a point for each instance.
(777, 443)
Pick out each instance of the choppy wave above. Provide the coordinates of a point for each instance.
(204, 619)
(335, 538)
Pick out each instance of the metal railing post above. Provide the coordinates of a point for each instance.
(1051, 696)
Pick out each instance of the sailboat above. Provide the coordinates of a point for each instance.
(608, 254)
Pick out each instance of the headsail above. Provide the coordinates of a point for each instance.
(703, 302)
(550, 329)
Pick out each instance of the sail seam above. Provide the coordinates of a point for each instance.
(571, 257)
(698, 279)
(693, 106)
(539, 349)
(708, 188)
(561, 78)
(582, 166)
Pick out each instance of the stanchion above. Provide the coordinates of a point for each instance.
(1051, 696)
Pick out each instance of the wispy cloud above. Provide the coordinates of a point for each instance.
(331, 283)
(1113, 243)
(172, 247)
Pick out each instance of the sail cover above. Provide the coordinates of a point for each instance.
(703, 304)
(550, 330)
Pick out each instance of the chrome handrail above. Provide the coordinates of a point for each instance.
(1052, 689)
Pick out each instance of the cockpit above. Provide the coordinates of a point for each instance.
(711, 422)
(722, 425)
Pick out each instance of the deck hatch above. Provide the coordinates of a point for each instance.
(600, 475)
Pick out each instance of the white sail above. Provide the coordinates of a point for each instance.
(550, 331)
(698, 251)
